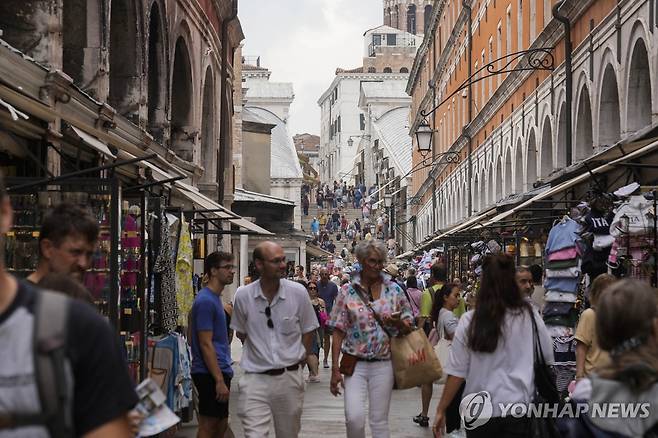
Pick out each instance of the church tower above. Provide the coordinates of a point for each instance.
(409, 15)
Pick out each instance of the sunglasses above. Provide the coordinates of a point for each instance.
(268, 314)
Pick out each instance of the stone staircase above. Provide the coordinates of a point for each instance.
(350, 213)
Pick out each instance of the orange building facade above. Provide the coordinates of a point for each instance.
(514, 123)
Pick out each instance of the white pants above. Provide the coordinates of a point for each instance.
(263, 398)
(373, 380)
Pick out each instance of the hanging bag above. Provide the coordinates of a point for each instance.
(545, 389)
(414, 360)
(442, 349)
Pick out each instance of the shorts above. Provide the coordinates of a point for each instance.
(208, 404)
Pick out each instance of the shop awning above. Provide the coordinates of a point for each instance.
(250, 226)
(652, 146)
(317, 252)
(202, 201)
(248, 196)
(405, 255)
(93, 142)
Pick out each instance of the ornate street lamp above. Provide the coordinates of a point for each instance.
(388, 200)
(350, 141)
(424, 135)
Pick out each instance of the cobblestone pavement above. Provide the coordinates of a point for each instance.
(323, 413)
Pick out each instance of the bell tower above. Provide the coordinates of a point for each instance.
(409, 15)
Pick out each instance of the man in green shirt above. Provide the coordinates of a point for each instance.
(437, 280)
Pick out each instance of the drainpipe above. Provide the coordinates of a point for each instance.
(224, 153)
(467, 6)
(433, 85)
(568, 76)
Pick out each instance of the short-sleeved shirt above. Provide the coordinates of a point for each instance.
(292, 316)
(364, 336)
(506, 373)
(328, 293)
(427, 299)
(208, 315)
(447, 323)
(102, 389)
(595, 358)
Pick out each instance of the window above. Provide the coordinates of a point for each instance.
(548, 14)
(508, 31)
(362, 122)
(338, 124)
(391, 39)
(411, 19)
(376, 40)
(519, 26)
(427, 17)
(372, 70)
(491, 86)
(404, 70)
(533, 20)
(388, 70)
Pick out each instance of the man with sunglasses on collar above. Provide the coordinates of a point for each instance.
(275, 320)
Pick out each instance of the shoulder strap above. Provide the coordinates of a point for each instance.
(538, 352)
(52, 370)
(361, 294)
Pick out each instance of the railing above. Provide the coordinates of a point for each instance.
(400, 41)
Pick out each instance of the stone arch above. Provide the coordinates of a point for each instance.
(395, 17)
(609, 111)
(124, 56)
(483, 190)
(497, 186)
(388, 70)
(583, 145)
(411, 19)
(546, 166)
(387, 17)
(404, 70)
(561, 145)
(157, 74)
(639, 88)
(208, 123)
(372, 70)
(182, 130)
(508, 173)
(427, 16)
(531, 161)
(518, 167)
(476, 192)
(80, 38)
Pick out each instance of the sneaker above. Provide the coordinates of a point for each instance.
(313, 379)
(422, 420)
(325, 364)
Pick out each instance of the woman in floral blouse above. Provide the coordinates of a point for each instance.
(362, 339)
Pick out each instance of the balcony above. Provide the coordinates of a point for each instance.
(381, 42)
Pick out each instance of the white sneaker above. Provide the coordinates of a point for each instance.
(313, 379)
(325, 364)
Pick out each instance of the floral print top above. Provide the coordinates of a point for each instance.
(364, 337)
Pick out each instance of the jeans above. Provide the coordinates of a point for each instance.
(373, 380)
(265, 398)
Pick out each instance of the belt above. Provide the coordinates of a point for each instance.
(279, 371)
(374, 359)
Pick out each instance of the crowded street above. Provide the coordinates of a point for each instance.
(328, 218)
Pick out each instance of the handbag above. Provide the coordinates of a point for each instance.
(442, 349)
(545, 389)
(347, 364)
(413, 358)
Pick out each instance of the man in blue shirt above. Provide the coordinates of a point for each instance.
(211, 352)
(327, 290)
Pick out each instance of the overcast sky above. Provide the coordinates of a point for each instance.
(303, 41)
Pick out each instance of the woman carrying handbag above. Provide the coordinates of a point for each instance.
(493, 352)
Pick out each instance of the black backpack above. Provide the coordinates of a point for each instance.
(52, 369)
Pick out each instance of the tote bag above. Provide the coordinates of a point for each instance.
(414, 360)
(442, 349)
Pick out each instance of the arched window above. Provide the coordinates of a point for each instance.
(427, 17)
(181, 103)
(584, 144)
(609, 132)
(387, 17)
(208, 122)
(372, 70)
(124, 62)
(157, 78)
(639, 89)
(411, 19)
(395, 17)
(404, 70)
(388, 70)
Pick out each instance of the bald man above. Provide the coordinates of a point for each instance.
(275, 320)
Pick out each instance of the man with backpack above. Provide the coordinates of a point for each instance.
(62, 373)
(438, 279)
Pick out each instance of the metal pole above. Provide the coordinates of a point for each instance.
(142, 280)
(568, 76)
(470, 107)
(115, 216)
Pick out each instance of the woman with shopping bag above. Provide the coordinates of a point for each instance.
(368, 313)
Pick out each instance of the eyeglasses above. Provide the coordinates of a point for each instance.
(312, 288)
(226, 267)
(268, 313)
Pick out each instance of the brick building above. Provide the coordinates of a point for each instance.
(516, 123)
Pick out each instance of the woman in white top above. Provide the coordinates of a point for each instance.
(492, 351)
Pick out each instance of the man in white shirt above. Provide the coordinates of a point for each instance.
(275, 320)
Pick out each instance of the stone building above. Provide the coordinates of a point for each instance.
(515, 123)
(388, 55)
(412, 16)
(161, 69)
